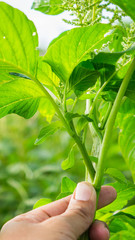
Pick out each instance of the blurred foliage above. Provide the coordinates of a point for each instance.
(29, 172)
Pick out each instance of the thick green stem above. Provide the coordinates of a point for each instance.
(86, 157)
(109, 126)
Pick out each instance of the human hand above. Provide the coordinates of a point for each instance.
(65, 219)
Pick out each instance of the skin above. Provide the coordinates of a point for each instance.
(64, 219)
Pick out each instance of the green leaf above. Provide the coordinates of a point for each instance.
(19, 96)
(130, 210)
(116, 174)
(19, 42)
(67, 188)
(82, 122)
(124, 235)
(70, 161)
(116, 43)
(127, 109)
(57, 38)
(85, 96)
(50, 7)
(46, 109)
(69, 101)
(47, 131)
(66, 53)
(116, 81)
(83, 77)
(127, 6)
(67, 185)
(42, 202)
(117, 225)
(46, 75)
(62, 195)
(94, 159)
(69, 115)
(127, 141)
(109, 96)
(112, 57)
(121, 226)
(125, 192)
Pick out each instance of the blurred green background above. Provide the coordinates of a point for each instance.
(29, 172)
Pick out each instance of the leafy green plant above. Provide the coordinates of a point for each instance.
(82, 66)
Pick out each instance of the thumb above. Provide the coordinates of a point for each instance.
(81, 210)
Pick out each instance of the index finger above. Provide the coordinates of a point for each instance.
(107, 195)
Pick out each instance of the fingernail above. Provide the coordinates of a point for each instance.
(106, 226)
(101, 222)
(84, 191)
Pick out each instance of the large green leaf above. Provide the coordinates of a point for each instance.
(112, 57)
(46, 109)
(127, 141)
(127, 109)
(116, 81)
(67, 52)
(50, 7)
(46, 76)
(125, 192)
(124, 235)
(127, 5)
(116, 174)
(118, 34)
(83, 77)
(18, 44)
(122, 226)
(19, 96)
(130, 210)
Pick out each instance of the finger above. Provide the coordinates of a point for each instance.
(80, 212)
(43, 213)
(99, 231)
(107, 195)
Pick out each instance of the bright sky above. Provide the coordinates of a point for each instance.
(48, 27)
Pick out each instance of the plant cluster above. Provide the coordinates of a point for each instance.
(88, 65)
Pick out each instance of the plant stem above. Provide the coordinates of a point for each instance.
(65, 123)
(102, 126)
(94, 11)
(99, 92)
(86, 157)
(65, 106)
(71, 132)
(109, 126)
